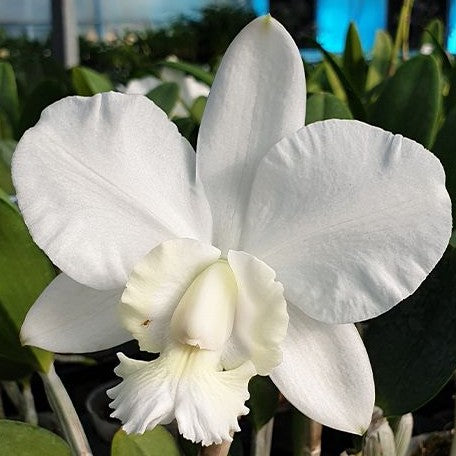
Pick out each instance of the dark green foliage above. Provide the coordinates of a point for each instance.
(412, 347)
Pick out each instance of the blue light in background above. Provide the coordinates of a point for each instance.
(334, 16)
(451, 40)
(260, 7)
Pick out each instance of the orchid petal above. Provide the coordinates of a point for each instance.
(102, 180)
(261, 315)
(71, 318)
(156, 286)
(350, 217)
(326, 374)
(258, 97)
(185, 383)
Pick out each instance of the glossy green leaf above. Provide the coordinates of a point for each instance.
(410, 101)
(7, 147)
(354, 65)
(412, 348)
(87, 82)
(191, 69)
(381, 57)
(25, 271)
(165, 96)
(157, 442)
(44, 94)
(322, 106)
(197, 109)
(9, 101)
(23, 439)
(263, 402)
(445, 149)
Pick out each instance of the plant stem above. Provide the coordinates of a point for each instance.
(215, 450)
(262, 440)
(28, 401)
(402, 34)
(66, 414)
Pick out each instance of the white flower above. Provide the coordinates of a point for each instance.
(189, 88)
(349, 218)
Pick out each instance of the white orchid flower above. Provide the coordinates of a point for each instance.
(140, 86)
(189, 88)
(212, 253)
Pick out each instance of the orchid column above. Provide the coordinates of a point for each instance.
(254, 256)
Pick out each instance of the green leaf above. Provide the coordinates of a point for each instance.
(317, 80)
(450, 99)
(6, 127)
(435, 29)
(354, 102)
(197, 109)
(354, 65)
(23, 439)
(334, 81)
(412, 348)
(165, 96)
(87, 82)
(381, 57)
(189, 68)
(263, 402)
(440, 54)
(322, 106)
(453, 239)
(157, 442)
(445, 149)
(188, 128)
(7, 147)
(410, 101)
(25, 271)
(9, 101)
(44, 94)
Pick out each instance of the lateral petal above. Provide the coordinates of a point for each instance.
(156, 286)
(352, 218)
(261, 317)
(102, 180)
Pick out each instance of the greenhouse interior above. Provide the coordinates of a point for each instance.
(226, 227)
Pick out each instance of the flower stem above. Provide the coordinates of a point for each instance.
(215, 450)
(262, 440)
(28, 401)
(66, 414)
